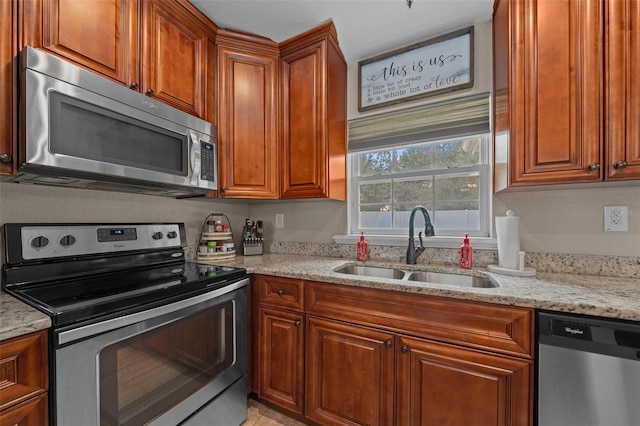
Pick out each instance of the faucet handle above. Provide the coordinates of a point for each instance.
(420, 238)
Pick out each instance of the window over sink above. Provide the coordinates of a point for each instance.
(437, 156)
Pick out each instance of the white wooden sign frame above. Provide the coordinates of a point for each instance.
(429, 68)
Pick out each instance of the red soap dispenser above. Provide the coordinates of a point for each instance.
(362, 249)
(466, 253)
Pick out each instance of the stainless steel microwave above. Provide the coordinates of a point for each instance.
(78, 129)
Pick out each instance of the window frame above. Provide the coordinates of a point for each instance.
(444, 236)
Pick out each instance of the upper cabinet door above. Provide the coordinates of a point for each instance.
(303, 148)
(314, 126)
(623, 89)
(175, 52)
(551, 72)
(100, 35)
(248, 116)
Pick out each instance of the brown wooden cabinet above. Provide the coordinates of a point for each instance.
(548, 77)
(444, 384)
(349, 374)
(379, 357)
(8, 45)
(622, 89)
(553, 89)
(313, 103)
(282, 358)
(248, 115)
(102, 38)
(464, 362)
(164, 49)
(178, 56)
(24, 380)
(281, 342)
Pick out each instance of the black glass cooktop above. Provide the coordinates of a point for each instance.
(102, 296)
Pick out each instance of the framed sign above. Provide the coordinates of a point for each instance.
(429, 68)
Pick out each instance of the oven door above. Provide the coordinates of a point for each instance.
(158, 367)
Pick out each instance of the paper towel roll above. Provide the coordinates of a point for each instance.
(508, 234)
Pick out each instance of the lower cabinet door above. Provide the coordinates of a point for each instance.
(282, 358)
(441, 384)
(349, 374)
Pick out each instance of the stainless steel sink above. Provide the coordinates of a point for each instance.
(372, 271)
(452, 279)
(418, 276)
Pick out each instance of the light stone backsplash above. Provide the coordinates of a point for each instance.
(613, 266)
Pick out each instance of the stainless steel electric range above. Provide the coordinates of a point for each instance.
(139, 334)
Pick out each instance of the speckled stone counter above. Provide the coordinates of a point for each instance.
(597, 295)
(613, 297)
(17, 318)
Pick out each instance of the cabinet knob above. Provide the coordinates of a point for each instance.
(134, 85)
(280, 292)
(621, 165)
(594, 166)
(297, 323)
(388, 343)
(405, 349)
(5, 158)
(223, 189)
(149, 92)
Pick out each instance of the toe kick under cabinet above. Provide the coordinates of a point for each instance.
(379, 357)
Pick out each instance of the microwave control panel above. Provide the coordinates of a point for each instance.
(208, 161)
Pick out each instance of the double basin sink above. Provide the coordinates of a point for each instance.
(419, 276)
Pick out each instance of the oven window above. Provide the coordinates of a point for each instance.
(146, 375)
(83, 130)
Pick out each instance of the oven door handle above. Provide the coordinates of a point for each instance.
(90, 330)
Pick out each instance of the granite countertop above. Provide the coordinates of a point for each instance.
(611, 297)
(17, 318)
(603, 296)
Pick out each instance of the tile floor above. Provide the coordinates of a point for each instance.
(261, 415)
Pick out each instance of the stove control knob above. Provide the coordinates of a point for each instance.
(39, 242)
(172, 234)
(67, 240)
(157, 235)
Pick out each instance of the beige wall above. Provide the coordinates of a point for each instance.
(572, 220)
(314, 221)
(30, 203)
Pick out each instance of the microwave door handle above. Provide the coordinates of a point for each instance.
(194, 164)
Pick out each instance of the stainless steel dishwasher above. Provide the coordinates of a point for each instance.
(588, 371)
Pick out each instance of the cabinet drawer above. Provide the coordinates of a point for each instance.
(30, 413)
(23, 368)
(282, 292)
(487, 326)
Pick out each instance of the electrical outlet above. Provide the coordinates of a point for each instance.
(279, 220)
(616, 218)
